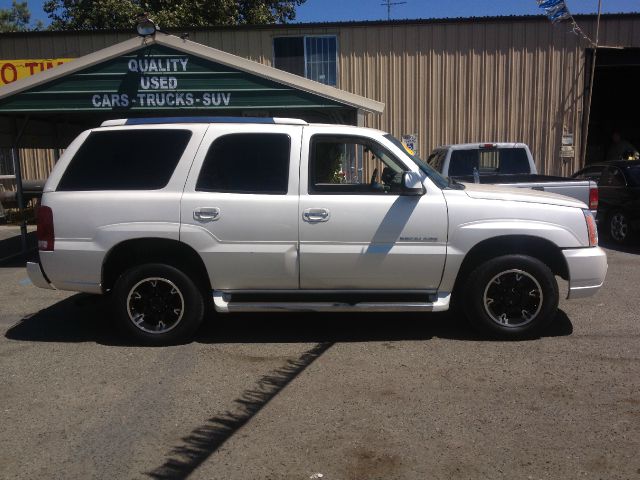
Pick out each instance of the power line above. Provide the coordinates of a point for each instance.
(389, 4)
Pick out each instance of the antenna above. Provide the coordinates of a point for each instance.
(389, 4)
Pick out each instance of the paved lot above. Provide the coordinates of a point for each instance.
(351, 397)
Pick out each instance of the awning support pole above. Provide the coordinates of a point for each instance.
(17, 168)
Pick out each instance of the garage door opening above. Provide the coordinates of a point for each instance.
(615, 106)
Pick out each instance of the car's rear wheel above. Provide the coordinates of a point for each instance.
(512, 296)
(619, 227)
(157, 304)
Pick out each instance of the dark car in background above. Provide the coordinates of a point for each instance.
(619, 189)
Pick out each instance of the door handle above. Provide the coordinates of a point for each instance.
(206, 214)
(315, 215)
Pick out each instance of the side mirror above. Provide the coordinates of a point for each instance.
(412, 184)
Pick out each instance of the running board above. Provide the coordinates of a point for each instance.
(224, 304)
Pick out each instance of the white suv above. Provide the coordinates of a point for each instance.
(277, 214)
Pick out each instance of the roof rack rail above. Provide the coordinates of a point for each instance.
(158, 120)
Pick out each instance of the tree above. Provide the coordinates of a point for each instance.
(16, 18)
(115, 14)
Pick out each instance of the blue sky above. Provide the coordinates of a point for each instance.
(345, 10)
(329, 10)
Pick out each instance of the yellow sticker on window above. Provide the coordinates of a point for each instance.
(409, 151)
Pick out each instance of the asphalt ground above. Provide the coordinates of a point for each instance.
(292, 396)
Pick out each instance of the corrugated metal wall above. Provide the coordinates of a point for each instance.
(519, 79)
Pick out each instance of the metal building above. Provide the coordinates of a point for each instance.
(443, 81)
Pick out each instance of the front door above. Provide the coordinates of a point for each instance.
(240, 206)
(357, 231)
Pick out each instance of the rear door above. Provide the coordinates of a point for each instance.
(240, 206)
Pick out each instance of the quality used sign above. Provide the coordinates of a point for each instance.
(12, 70)
(157, 85)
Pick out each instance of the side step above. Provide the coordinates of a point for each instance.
(224, 304)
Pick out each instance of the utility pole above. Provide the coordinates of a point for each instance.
(389, 4)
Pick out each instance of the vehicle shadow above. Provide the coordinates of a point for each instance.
(633, 248)
(11, 248)
(87, 318)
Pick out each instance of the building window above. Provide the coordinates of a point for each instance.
(6, 162)
(313, 57)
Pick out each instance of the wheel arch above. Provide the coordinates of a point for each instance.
(139, 251)
(540, 248)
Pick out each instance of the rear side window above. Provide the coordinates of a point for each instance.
(125, 160)
(247, 163)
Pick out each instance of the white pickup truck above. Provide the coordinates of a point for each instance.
(257, 215)
(506, 164)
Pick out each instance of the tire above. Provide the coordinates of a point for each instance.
(511, 297)
(619, 228)
(157, 304)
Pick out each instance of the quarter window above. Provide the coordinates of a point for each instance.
(314, 57)
(247, 163)
(125, 160)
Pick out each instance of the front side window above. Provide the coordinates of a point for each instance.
(352, 165)
(125, 160)
(314, 57)
(247, 163)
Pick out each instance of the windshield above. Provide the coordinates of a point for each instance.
(437, 178)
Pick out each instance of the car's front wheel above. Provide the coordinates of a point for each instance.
(512, 296)
(157, 304)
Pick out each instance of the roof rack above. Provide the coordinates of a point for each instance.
(158, 120)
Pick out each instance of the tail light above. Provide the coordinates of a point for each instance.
(45, 232)
(593, 198)
(591, 228)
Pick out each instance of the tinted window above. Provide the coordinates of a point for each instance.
(634, 173)
(489, 161)
(125, 160)
(613, 177)
(247, 163)
(463, 162)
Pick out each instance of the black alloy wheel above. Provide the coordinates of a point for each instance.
(158, 304)
(512, 296)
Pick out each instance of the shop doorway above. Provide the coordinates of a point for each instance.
(615, 105)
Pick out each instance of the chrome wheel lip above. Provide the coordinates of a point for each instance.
(619, 227)
(502, 320)
(140, 325)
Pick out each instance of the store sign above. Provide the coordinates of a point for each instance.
(159, 87)
(567, 150)
(159, 78)
(12, 70)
